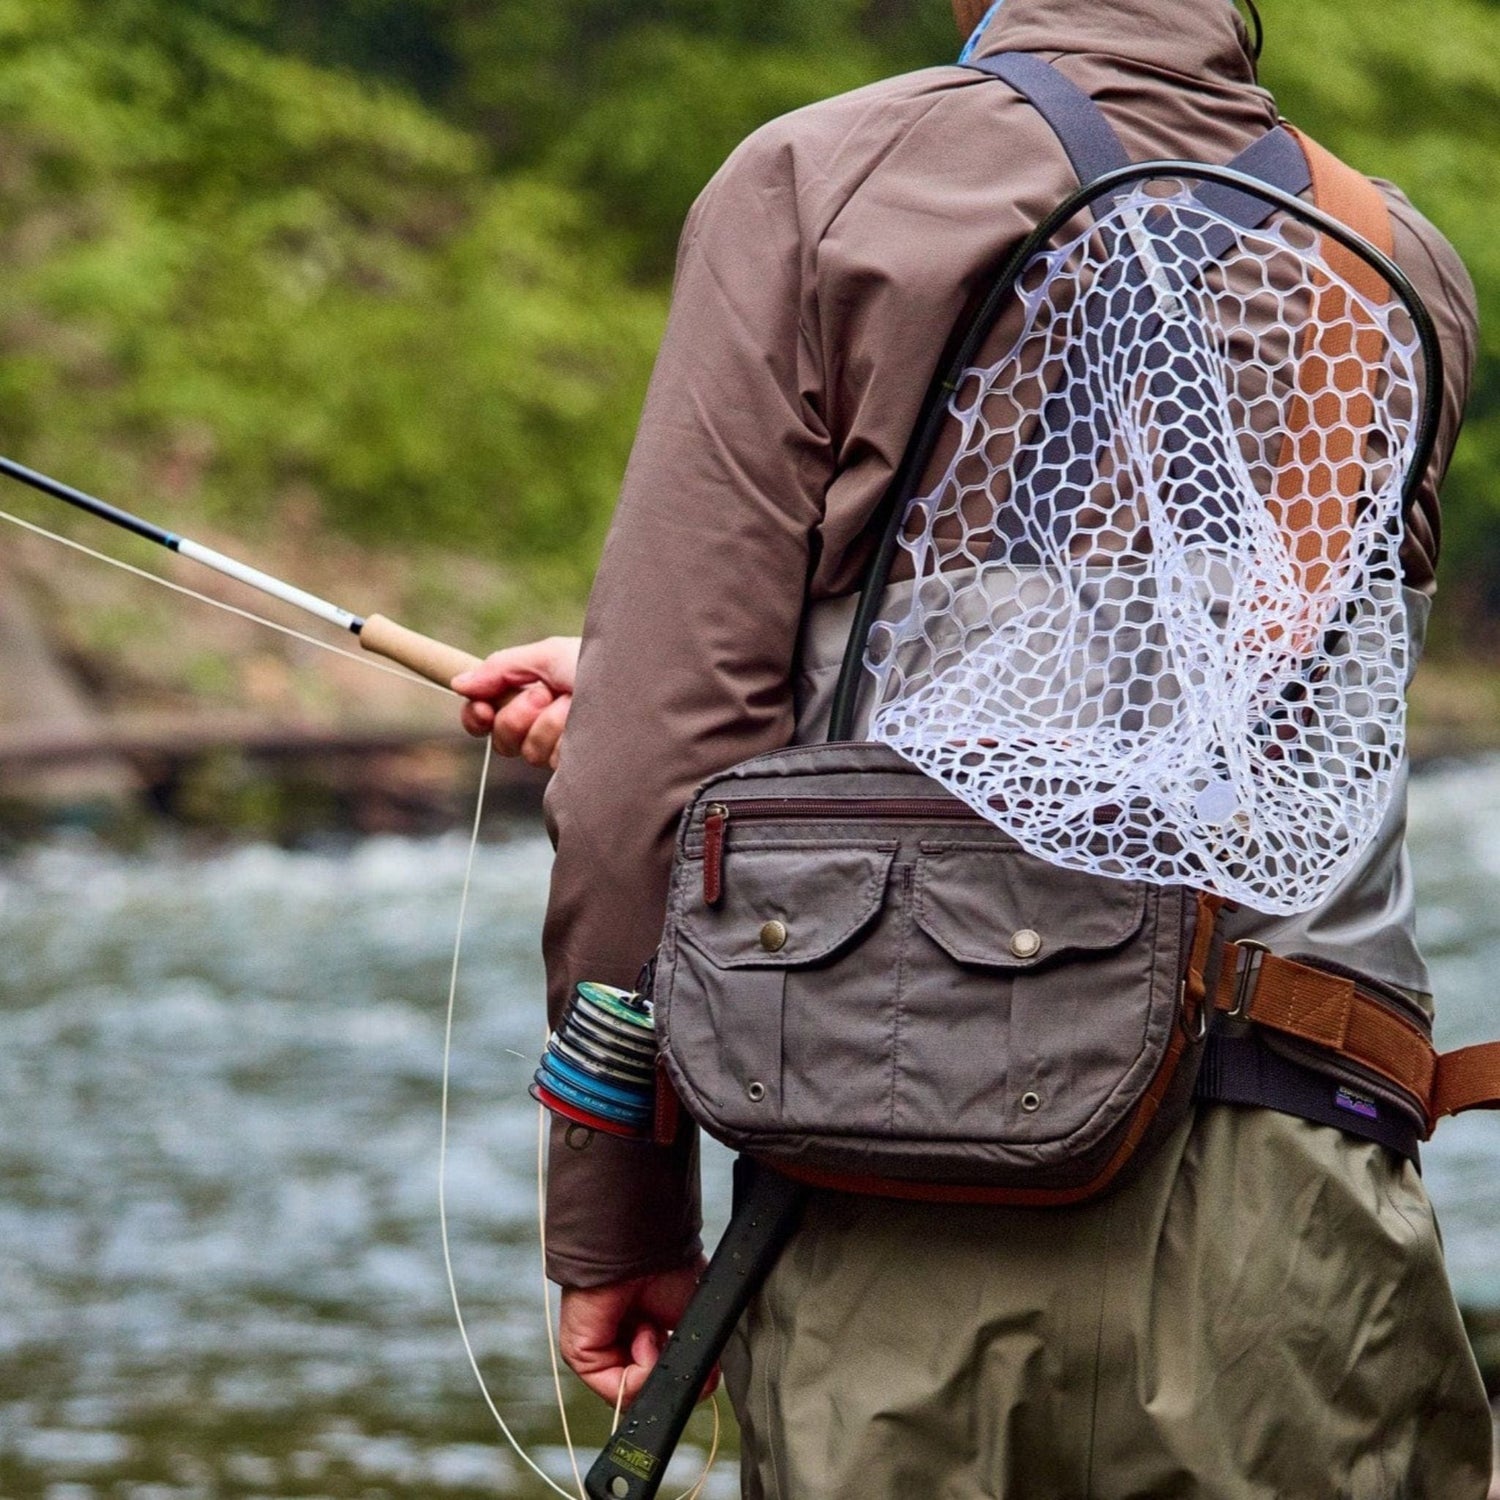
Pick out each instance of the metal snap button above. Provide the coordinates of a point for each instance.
(1025, 943)
(756, 1091)
(1031, 1101)
(773, 936)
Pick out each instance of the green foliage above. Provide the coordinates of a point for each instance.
(669, 86)
(233, 274)
(410, 257)
(631, 149)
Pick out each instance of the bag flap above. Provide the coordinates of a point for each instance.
(786, 905)
(1002, 907)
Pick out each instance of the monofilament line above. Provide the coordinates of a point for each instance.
(541, 1229)
(367, 661)
(463, 1332)
(92, 505)
(232, 609)
(379, 666)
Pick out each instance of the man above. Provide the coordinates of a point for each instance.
(1263, 1312)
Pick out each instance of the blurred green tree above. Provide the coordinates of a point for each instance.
(231, 272)
(413, 254)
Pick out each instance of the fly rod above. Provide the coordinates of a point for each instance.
(418, 653)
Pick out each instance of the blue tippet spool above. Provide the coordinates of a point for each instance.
(599, 1069)
(581, 1098)
(559, 1067)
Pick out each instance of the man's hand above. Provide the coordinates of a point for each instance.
(520, 697)
(612, 1333)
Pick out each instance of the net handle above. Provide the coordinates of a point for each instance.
(933, 414)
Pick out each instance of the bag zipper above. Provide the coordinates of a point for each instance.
(717, 815)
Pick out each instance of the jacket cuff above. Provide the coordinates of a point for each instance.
(618, 1209)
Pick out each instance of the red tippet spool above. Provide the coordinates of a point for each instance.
(567, 1111)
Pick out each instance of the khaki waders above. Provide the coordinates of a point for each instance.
(1262, 1313)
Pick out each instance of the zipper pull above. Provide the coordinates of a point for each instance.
(715, 821)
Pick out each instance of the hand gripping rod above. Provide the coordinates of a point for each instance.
(635, 1458)
(418, 653)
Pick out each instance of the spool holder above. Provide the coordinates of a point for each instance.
(599, 1069)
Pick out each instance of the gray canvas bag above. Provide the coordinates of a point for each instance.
(868, 985)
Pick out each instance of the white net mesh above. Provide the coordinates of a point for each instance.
(1157, 629)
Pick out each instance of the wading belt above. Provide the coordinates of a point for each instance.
(1335, 1048)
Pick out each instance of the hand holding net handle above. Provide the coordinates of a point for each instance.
(634, 1462)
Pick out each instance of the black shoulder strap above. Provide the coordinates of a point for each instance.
(1087, 137)
(1094, 149)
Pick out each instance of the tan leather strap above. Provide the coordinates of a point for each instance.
(1332, 1012)
(1195, 977)
(1467, 1078)
(1321, 469)
(1355, 201)
(1320, 476)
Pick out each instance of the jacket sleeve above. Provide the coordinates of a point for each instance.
(687, 655)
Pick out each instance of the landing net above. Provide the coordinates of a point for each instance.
(1157, 630)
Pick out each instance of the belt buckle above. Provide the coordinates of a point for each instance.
(1245, 981)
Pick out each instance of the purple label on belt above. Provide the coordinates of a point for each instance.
(1356, 1104)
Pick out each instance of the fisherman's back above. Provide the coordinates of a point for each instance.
(1264, 1310)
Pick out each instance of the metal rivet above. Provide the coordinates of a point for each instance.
(620, 1486)
(756, 1091)
(773, 936)
(1031, 1101)
(1026, 943)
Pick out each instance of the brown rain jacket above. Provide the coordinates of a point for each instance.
(819, 276)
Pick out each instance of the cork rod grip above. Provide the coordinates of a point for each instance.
(420, 653)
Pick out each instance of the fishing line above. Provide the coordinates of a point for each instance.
(541, 1229)
(695, 1489)
(419, 653)
(463, 1332)
(233, 609)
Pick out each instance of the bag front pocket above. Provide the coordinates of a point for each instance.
(884, 984)
(764, 1005)
(1034, 1006)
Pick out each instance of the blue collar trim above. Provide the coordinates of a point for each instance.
(977, 34)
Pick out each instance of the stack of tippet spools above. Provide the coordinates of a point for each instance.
(599, 1069)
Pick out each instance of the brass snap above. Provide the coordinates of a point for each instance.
(773, 936)
(756, 1091)
(1026, 943)
(1031, 1101)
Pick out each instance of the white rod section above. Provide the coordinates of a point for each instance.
(268, 585)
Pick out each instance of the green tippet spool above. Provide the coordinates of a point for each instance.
(599, 1069)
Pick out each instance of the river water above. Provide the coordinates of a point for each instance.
(219, 1264)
